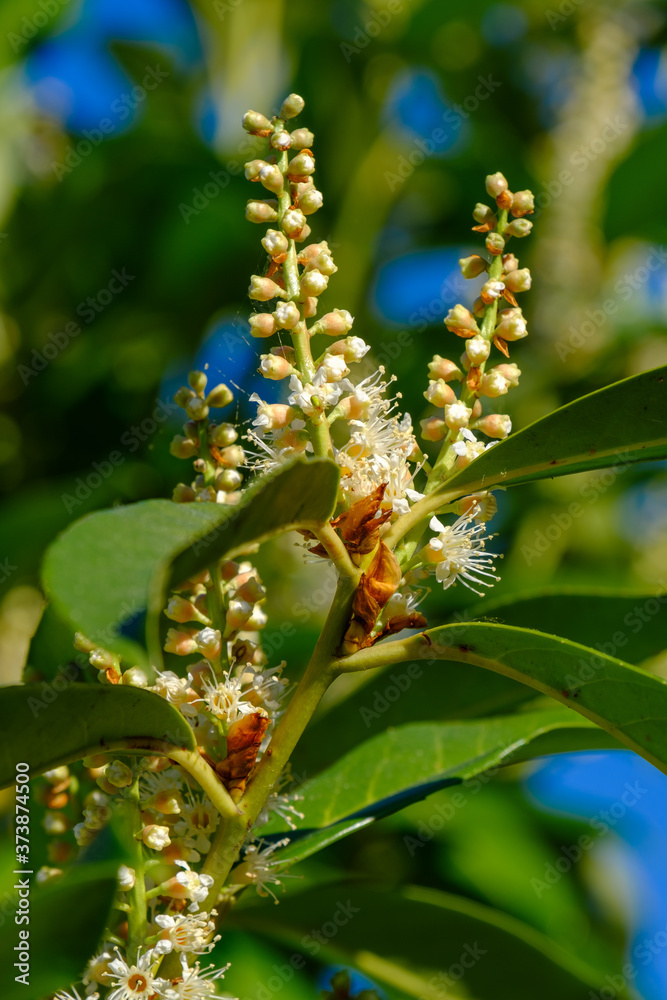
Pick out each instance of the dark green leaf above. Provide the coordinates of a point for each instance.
(624, 422)
(44, 726)
(111, 565)
(410, 762)
(411, 940)
(627, 702)
(631, 625)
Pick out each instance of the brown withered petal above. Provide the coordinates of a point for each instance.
(473, 378)
(359, 526)
(484, 228)
(243, 742)
(501, 345)
(510, 298)
(376, 586)
(397, 624)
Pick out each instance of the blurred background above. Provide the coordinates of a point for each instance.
(124, 262)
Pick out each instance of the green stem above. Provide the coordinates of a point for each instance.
(137, 918)
(207, 779)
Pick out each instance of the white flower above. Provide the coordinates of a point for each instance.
(97, 971)
(134, 982)
(171, 687)
(356, 348)
(458, 550)
(155, 836)
(196, 886)
(186, 932)
(198, 820)
(209, 643)
(256, 869)
(267, 685)
(227, 699)
(196, 984)
(318, 394)
(334, 367)
(282, 805)
(127, 878)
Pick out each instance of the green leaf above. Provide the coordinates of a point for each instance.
(67, 917)
(633, 625)
(418, 692)
(110, 566)
(410, 762)
(410, 940)
(622, 423)
(627, 702)
(44, 727)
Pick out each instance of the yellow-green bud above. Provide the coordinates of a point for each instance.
(262, 211)
(519, 228)
(220, 396)
(197, 381)
(222, 435)
(472, 267)
(255, 122)
(292, 106)
(302, 138)
(496, 184)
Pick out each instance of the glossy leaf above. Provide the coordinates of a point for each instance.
(632, 625)
(624, 422)
(410, 762)
(44, 727)
(408, 940)
(627, 702)
(110, 566)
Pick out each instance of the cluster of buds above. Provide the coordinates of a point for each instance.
(458, 387)
(213, 447)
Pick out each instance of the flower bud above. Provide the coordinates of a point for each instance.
(302, 138)
(495, 425)
(301, 165)
(183, 396)
(275, 368)
(232, 456)
(310, 201)
(484, 215)
(119, 774)
(222, 435)
(180, 641)
(281, 141)
(181, 611)
(457, 416)
(182, 447)
(352, 348)
(334, 323)
(523, 203)
(264, 289)
(334, 366)
(262, 211)
(309, 307)
(292, 106)
(472, 267)
(262, 325)
(294, 222)
(251, 591)
(155, 836)
(519, 280)
(252, 169)
(287, 315)
(493, 383)
(461, 321)
(511, 372)
(491, 290)
(228, 480)
(443, 368)
(220, 396)
(495, 184)
(313, 283)
(197, 381)
(258, 619)
(504, 199)
(519, 228)
(433, 429)
(512, 325)
(237, 615)
(197, 409)
(275, 242)
(209, 643)
(256, 123)
(183, 494)
(83, 643)
(478, 308)
(510, 263)
(135, 677)
(439, 393)
(478, 349)
(127, 878)
(55, 823)
(271, 178)
(495, 244)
